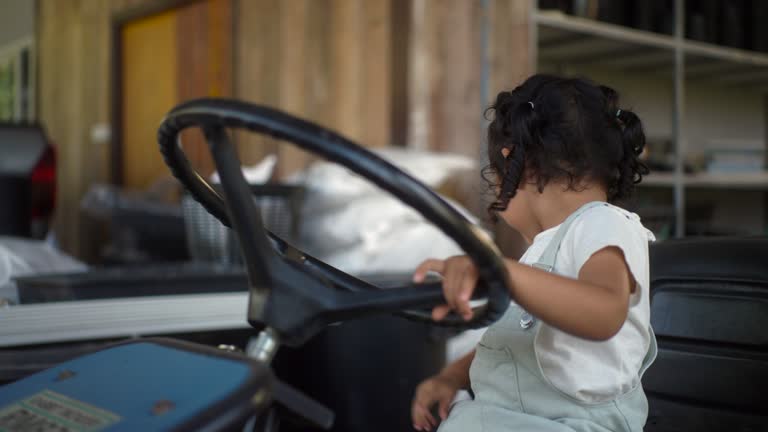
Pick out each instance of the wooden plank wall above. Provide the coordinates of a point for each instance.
(328, 60)
(73, 78)
(512, 54)
(446, 103)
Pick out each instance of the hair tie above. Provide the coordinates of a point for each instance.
(618, 113)
(531, 104)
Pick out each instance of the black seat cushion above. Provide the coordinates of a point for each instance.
(709, 309)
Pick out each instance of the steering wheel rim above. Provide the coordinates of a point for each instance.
(213, 115)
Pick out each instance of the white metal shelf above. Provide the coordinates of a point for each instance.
(741, 181)
(569, 24)
(565, 41)
(576, 40)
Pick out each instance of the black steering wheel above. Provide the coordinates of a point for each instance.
(291, 292)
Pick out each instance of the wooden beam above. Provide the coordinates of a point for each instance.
(376, 93)
(61, 49)
(420, 64)
(318, 79)
(455, 95)
(512, 59)
(94, 111)
(400, 29)
(293, 65)
(347, 48)
(191, 77)
(256, 78)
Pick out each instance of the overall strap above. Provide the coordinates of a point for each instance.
(547, 260)
(549, 257)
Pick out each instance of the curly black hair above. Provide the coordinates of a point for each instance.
(559, 129)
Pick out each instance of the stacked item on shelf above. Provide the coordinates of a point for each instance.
(659, 154)
(735, 156)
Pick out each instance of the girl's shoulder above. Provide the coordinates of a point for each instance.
(611, 220)
(608, 226)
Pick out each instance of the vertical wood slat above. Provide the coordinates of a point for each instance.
(256, 47)
(293, 64)
(360, 70)
(319, 102)
(510, 56)
(192, 75)
(219, 13)
(511, 61)
(203, 44)
(400, 31)
(455, 95)
(444, 76)
(60, 39)
(94, 111)
(376, 91)
(419, 75)
(347, 77)
(444, 84)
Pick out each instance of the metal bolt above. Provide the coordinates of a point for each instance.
(259, 398)
(65, 375)
(264, 347)
(162, 406)
(229, 348)
(526, 320)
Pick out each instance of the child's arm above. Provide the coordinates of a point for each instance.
(440, 389)
(594, 306)
(458, 371)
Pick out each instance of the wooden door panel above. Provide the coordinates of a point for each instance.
(169, 58)
(149, 59)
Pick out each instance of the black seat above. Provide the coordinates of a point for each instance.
(709, 308)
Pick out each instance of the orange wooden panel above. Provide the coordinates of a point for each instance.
(192, 75)
(149, 64)
(204, 41)
(219, 45)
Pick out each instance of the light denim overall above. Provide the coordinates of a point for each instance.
(511, 392)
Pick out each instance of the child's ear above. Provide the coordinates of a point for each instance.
(505, 152)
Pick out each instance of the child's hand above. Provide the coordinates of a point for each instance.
(440, 389)
(459, 280)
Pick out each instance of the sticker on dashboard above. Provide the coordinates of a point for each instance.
(49, 411)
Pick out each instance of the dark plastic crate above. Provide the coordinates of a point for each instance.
(209, 240)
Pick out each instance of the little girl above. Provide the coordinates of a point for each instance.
(568, 355)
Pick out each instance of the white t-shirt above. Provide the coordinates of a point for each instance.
(591, 371)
